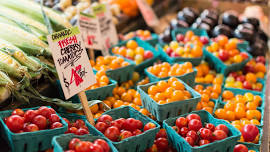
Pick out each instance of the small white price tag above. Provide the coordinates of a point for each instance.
(107, 27)
(71, 61)
(90, 29)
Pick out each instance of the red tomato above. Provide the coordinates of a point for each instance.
(106, 119)
(56, 125)
(72, 130)
(249, 132)
(44, 111)
(139, 124)
(193, 116)
(96, 148)
(219, 135)
(223, 55)
(31, 128)
(84, 146)
(84, 127)
(206, 134)
(15, 123)
(18, 112)
(240, 148)
(54, 118)
(161, 134)
(40, 121)
(162, 143)
(29, 115)
(112, 133)
(184, 131)
(203, 142)
(125, 134)
(52, 110)
(73, 143)
(149, 126)
(148, 55)
(136, 132)
(152, 149)
(130, 124)
(181, 122)
(101, 126)
(67, 121)
(82, 131)
(194, 124)
(222, 127)
(176, 129)
(118, 123)
(105, 146)
(210, 126)
(79, 123)
(180, 37)
(193, 135)
(190, 141)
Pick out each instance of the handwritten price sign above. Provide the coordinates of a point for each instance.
(71, 61)
(90, 29)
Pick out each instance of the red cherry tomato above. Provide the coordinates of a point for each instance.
(194, 124)
(219, 135)
(29, 115)
(31, 128)
(161, 134)
(96, 148)
(79, 123)
(184, 131)
(15, 123)
(40, 121)
(56, 125)
(176, 129)
(72, 130)
(112, 133)
(206, 134)
(181, 122)
(54, 118)
(240, 148)
(106, 119)
(18, 112)
(73, 143)
(125, 134)
(203, 142)
(223, 55)
(52, 111)
(44, 111)
(67, 121)
(148, 55)
(193, 135)
(136, 132)
(105, 146)
(222, 127)
(101, 126)
(193, 116)
(83, 146)
(210, 126)
(82, 131)
(130, 124)
(118, 123)
(162, 143)
(139, 124)
(190, 141)
(149, 126)
(249, 132)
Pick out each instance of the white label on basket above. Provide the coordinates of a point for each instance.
(71, 61)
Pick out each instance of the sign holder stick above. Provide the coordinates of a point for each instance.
(91, 54)
(86, 109)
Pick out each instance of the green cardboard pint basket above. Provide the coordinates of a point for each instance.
(188, 78)
(168, 110)
(221, 67)
(135, 143)
(252, 145)
(29, 141)
(147, 47)
(164, 56)
(225, 145)
(60, 143)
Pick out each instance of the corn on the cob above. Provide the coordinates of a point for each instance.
(33, 10)
(22, 18)
(31, 63)
(26, 41)
(5, 80)
(4, 94)
(12, 67)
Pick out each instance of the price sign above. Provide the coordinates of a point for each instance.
(107, 27)
(148, 13)
(90, 29)
(71, 61)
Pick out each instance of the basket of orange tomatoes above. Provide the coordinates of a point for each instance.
(168, 98)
